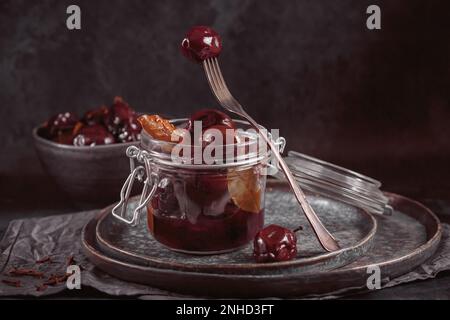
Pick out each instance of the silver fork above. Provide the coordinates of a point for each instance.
(226, 100)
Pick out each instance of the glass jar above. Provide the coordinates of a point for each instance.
(339, 183)
(199, 208)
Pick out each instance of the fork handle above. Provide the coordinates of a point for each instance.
(325, 238)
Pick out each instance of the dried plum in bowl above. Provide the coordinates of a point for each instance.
(85, 156)
(103, 125)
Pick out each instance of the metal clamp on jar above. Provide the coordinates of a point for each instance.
(198, 208)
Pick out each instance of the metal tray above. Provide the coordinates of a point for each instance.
(353, 228)
(403, 241)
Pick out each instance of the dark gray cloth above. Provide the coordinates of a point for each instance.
(58, 237)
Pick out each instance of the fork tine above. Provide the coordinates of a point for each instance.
(217, 71)
(219, 77)
(231, 101)
(211, 80)
(220, 85)
(219, 88)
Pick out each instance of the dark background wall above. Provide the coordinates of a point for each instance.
(375, 101)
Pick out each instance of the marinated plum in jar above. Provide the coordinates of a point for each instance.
(204, 217)
(207, 208)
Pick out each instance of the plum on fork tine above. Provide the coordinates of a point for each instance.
(227, 101)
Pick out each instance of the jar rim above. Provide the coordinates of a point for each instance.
(159, 151)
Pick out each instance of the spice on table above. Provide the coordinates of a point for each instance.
(12, 282)
(44, 259)
(26, 272)
(41, 287)
(56, 279)
(70, 260)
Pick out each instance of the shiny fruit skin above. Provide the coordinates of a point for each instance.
(209, 118)
(60, 122)
(92, 136)
(96, 116)
(120, 114)
(201, 43)
(274, 244)
(130, 131)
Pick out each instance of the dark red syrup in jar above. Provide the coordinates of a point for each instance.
(202, 218)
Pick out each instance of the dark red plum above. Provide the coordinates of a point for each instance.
(92, 136)
(274, 243)
(201, 43)
(96, 116)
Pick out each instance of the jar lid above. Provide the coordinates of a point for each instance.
(338, 183)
